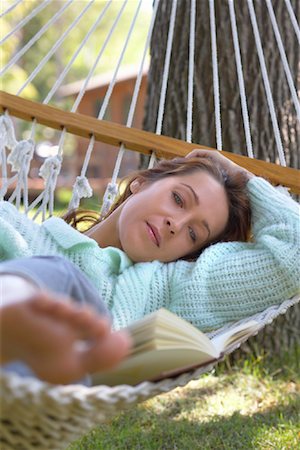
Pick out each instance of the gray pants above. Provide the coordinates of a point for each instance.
(58, 275)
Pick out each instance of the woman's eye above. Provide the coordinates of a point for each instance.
(177, 199)
(192, 234)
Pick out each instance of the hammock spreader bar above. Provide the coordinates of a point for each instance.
(134, 139)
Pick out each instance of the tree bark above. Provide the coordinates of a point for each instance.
(285, 331)
(203, 108)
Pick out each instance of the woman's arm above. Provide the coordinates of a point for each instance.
(233, 280)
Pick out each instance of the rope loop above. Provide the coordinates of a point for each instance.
(81, 189)
(7, 132)
(109, 197)
(7, 141)
(50, 168)
(21, 154)
(49, 171)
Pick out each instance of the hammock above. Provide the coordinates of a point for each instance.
(35, 414)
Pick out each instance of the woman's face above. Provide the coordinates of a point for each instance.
(172, 217)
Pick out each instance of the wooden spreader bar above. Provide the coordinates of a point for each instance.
(134, 139)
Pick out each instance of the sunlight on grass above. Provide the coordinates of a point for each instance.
(245, 408)
(223, 396)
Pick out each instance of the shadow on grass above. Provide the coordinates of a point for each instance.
(145, 429)
(261, 363)
(186, 420)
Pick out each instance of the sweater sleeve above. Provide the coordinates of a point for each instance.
(230, 281)
(12, 242)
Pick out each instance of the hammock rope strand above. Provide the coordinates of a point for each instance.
(189, 122)
(62, 76)
(7, 141)
(35, 37)
(10, 8)
(51, 167)
(26, 19)
(81, 181)
(266, 83)
(92, 70)
(284, 58)
(81, 187)
(165, 75)
(54, 48)
(240, 75)
(293, 19)
(214, 55)
(112, 188)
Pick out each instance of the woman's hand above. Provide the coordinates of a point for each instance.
(215, 155)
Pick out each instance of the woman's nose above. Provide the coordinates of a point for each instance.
(174, 224)
(170, 226)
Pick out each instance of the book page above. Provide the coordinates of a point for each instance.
(235, 335)
(152, 365)
(165, 344)
(164, 330)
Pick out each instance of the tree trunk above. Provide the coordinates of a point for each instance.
(285, 331)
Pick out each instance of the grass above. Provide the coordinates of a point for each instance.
(62, 199)
(253, 405)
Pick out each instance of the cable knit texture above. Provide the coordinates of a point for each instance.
(228, 282)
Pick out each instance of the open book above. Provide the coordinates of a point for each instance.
(166, 345)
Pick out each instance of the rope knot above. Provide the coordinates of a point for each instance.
(7, 132)
(109, 197)
(50, 168)
(83, 187)
(112, 189)
(21, 154)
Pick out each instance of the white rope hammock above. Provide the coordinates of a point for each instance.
(60, 414)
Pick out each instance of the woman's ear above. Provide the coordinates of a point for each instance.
(135, 185)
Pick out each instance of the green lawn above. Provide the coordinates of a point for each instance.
(255, 405)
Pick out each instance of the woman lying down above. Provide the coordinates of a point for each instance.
(199, 236)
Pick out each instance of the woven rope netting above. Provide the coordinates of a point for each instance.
(47, 28)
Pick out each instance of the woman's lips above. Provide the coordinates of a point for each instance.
(153, 233)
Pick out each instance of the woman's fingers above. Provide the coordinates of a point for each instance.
(214, 155)
(225, 163)
(201, 153)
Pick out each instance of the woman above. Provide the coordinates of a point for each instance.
(181, 211)
(144, 255)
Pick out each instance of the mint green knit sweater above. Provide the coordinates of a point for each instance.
(229, 281)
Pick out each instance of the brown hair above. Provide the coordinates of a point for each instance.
(239, 221)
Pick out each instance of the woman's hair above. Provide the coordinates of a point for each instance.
(239, 221)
